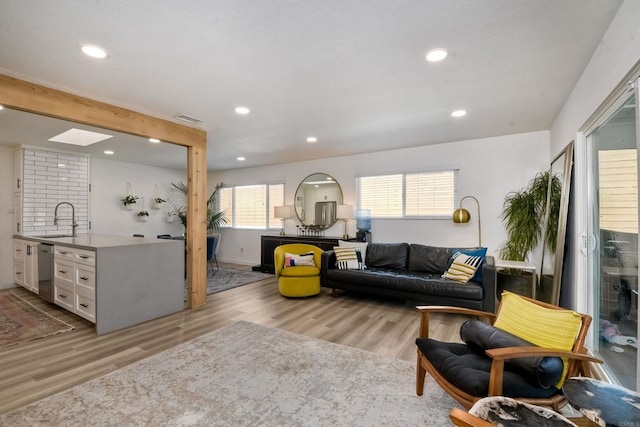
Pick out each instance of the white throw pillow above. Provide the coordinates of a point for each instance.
(295, 260)
(361, 246)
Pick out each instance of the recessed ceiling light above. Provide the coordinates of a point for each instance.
(94, 51)
(1, 107)
(80, 137)
(109, 152)
(459, 113)
(437, 55)
(312, 139)
(241, 159)
(154, 140)
(62, 165)
(242, 110)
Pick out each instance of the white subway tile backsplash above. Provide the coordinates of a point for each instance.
(47, 183)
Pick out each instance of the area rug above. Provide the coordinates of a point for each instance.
(21, 321)
(228, 278)
(248, 375)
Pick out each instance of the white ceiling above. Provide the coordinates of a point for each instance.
(351, 72)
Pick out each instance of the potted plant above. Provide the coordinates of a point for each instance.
(214, 219)
(524, 214)
(143, 216)
(157, 202)
(129, 201)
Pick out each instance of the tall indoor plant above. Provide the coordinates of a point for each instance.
(215, 219)
(524, 214)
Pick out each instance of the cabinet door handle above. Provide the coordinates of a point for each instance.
(62, 295)
(18, 250)
(62, 253)
(84, 278)
(62, 271)
(84, 305)
(18, 226)
(84, 256)
(18, 183)
(18, 273)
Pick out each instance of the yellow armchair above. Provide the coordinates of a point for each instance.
(298, 281)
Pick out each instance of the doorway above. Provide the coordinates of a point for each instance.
(612, 150)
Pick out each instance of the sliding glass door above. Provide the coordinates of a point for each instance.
(612, 149)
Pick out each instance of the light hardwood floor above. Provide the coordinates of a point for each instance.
(33, 370)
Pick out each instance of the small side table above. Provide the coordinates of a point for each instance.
(518, 265)
(603, 402)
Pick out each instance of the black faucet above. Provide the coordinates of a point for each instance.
(73, 217)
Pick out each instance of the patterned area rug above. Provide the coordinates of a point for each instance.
(20, 321)
(227, 278)
(249, 375)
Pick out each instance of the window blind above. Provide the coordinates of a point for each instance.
(421, 195)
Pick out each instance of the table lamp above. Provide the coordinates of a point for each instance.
(345, 213)
(282, 212)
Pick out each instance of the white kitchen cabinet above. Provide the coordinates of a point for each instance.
(17, 213)
(25, 264)
(74, 280)
(18, 170)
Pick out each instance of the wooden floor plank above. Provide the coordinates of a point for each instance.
(33, 370)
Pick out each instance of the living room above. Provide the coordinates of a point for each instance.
(490, 167)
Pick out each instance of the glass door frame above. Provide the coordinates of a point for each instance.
(587, 260)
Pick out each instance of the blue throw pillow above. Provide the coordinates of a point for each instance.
(481, 252)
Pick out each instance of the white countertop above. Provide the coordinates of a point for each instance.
(94, 241)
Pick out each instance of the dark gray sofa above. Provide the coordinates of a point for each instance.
(412, 272)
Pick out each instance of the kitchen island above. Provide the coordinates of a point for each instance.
(116, 281)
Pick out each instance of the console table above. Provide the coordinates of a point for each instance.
(269, 243)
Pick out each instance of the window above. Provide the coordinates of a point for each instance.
(251, 206)
(411, 195)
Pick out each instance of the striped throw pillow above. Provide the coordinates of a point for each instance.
(463, 267)
(348, 258)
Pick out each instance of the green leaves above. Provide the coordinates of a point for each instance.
(524, 213)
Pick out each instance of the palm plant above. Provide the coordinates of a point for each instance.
(214, 219)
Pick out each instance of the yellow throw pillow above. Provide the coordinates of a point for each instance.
(544, 327)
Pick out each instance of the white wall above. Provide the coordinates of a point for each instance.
(617, 53)
(6, 217)
(108, 181)
(489, 169)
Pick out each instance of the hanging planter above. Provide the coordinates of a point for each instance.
(143, 215)
(157, 201)
(129, 200)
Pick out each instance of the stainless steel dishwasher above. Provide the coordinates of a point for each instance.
(45, 271)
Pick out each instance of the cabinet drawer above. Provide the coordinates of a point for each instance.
(63, 271)
(18, 250)
(63, 295)
(85, 303)
(85, 275)
(81, 256)
(18, 272)
(85, 257)
(64, 252)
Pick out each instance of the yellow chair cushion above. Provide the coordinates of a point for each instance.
(300, 271)
(542, 326)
